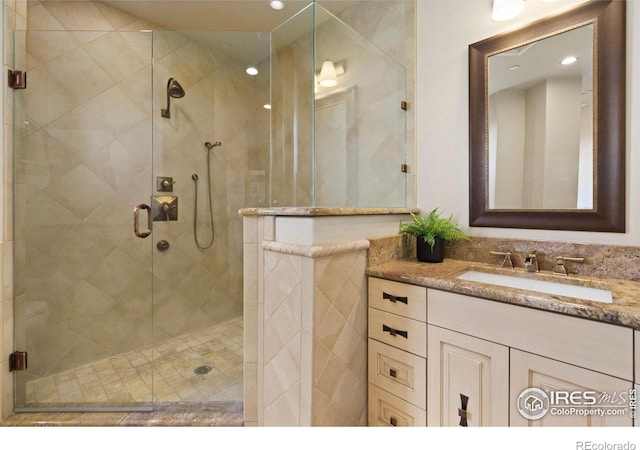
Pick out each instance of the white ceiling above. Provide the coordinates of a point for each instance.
(239, 25)
(222, 15)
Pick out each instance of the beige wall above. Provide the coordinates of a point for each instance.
(442, 140)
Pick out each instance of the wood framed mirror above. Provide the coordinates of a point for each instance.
(600, 206)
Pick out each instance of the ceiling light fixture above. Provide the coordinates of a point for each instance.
(252, 71)
(506, 9)
(329, 73)
(568, 60)
(277, 4)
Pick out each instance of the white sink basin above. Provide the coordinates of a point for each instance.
(546, 287)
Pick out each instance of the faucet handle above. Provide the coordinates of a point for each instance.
(507, 258)
(560, 267)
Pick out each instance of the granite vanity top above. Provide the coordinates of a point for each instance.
(625, 309)
(312, 211)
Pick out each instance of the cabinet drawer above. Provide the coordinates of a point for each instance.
(586, 343)
(401, 373)
(397, 331)
(388, 410)
(399, 298)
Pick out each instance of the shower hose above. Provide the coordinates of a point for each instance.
(194, 177)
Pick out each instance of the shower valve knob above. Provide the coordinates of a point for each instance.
(165, 184)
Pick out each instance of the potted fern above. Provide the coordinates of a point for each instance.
(431, 231)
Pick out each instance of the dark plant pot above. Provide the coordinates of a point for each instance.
(425, 254)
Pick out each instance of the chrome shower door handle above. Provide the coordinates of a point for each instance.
(136, 221)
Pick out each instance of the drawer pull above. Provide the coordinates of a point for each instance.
(393, 421)
(393, 298)
(393, 331)
(462, 411)
(392, 372)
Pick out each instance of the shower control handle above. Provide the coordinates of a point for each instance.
(136, 221)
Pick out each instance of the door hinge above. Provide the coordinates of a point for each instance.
(17, 361)
(404, 105)
(404, 168)
(17, 79)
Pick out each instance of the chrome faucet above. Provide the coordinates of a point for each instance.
(531, 262)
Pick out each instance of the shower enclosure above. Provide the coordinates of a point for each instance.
(110, 319)
(113, 320)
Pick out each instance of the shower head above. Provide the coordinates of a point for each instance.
(175, 90)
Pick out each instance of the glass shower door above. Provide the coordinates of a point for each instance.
(82, 278)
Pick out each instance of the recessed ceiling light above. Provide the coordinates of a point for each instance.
(252, 71)
(506, 9)
(276, 4)
(568, 60)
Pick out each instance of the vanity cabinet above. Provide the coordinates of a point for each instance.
(397, 350)
(467, 379)
(440, 358)
(531, 348)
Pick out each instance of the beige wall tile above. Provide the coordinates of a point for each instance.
(285, 410)
(117, 18)
(39, 18)
(78, 15)
(282, 372)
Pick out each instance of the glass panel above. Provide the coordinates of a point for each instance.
(214, 146)
(360, 127)
(82, 162)
(292, 182)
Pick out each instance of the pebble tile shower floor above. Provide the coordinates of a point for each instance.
(179, 393)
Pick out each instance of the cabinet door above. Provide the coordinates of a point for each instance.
(533, 371)
(467, 380)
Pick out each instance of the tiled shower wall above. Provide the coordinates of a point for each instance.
(95, 177)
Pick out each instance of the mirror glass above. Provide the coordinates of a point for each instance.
(540, 118)
(547, 140)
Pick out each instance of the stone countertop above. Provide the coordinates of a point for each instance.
(625, 309)
(309, 211)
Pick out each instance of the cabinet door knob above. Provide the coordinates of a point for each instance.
(393, 421)
(392, 372)
(462, 411)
